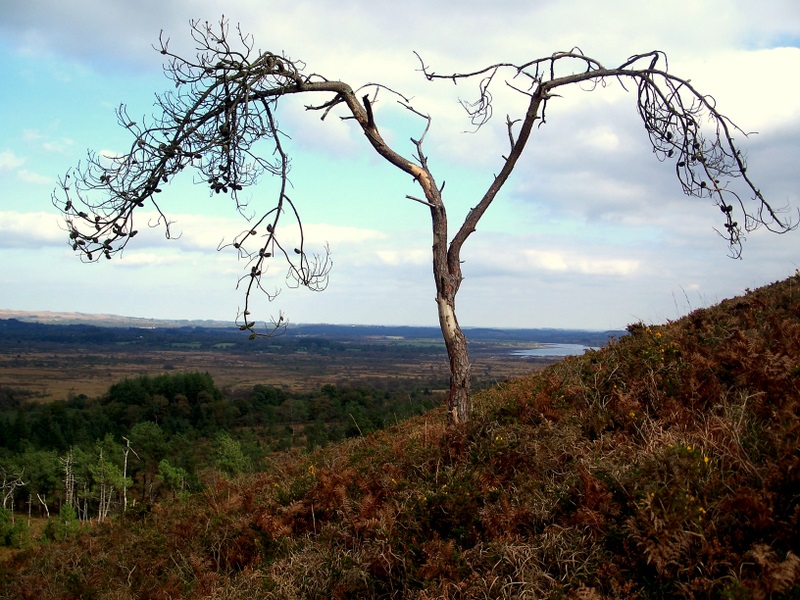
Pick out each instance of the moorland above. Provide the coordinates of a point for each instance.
(664, 465)
(65, 387)
(51, 357)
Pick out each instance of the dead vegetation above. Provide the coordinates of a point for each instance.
(664, 465)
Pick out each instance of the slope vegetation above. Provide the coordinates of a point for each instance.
(664, 465)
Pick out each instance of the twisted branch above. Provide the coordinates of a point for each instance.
(683, 125)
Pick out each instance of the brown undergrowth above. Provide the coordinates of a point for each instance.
(664, 465)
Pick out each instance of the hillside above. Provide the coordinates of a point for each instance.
(664, 465)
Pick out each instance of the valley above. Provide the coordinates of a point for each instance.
(54, 361)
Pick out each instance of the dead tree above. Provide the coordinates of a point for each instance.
(68, 464)
(226, 98)
(8, 486)
(127, 450)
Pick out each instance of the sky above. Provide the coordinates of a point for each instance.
(591, 231)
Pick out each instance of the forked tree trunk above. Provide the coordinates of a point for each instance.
(446, 257)
(447, 275)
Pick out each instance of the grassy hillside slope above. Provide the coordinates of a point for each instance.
(665, 465)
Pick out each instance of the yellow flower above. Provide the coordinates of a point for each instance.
(705, 459)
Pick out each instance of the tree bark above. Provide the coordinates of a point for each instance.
(448, 277)
(446, 262)
(460, 369)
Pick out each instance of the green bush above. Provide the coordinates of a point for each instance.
(63, 528)
(14, 533)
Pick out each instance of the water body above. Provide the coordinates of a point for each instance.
(551, 350)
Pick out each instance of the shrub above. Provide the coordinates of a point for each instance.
(63, 528)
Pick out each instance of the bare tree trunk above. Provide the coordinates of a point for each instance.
(458, 403)
(125, 474)
(68, 462)
(85, 510)
(448, 277)
(127, 450)
(447, 265)
(44, 503)
(9, 485)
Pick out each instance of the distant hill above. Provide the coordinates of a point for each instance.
(125, 327)
(103, 320)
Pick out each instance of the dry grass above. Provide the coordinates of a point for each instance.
(664, 466)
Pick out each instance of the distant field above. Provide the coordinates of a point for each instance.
(48, 375)
(47, 361)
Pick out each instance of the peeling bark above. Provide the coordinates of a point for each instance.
(460, 368)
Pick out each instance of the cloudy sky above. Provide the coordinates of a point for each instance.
(591, 231)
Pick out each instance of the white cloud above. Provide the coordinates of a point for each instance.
(324, 232)
(9, 160)
(602, 138)
(30, 230)
(138, 259)
(35, 178)
(107, 154)
(31, 135)
(547, 260)
(730, 76)
(59, 146)
(550, 260)
(404, 257)
(204, 231)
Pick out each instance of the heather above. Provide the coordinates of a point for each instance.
(663, 465)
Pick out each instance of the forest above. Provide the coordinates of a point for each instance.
(151, 436)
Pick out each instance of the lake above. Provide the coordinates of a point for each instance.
(549, 350)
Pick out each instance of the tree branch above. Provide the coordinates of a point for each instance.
(672, 111)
